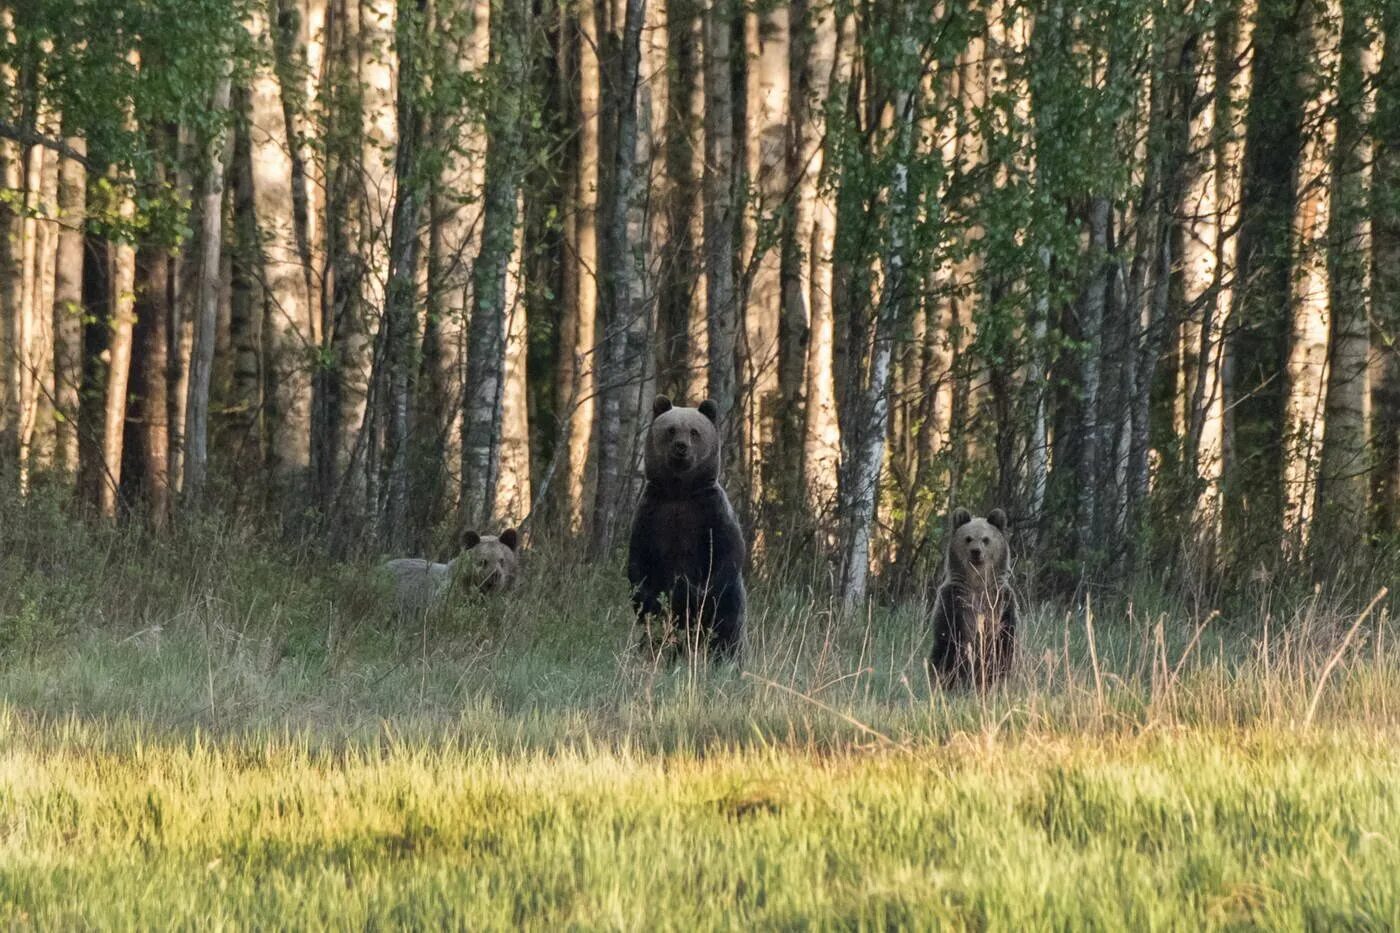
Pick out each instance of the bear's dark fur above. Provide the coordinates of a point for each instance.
(686, 553)
(974, 614)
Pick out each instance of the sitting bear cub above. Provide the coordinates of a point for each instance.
(974, 614)
(486, 564)
(686, 554)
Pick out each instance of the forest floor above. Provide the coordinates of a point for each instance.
(202, 731)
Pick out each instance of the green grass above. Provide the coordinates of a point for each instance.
(209, 732)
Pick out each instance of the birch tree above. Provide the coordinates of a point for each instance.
(211, 231)
(288, 327)
(1342, 471)
(1309, 287)
(863, 453)
(485, 387)
(624, 318)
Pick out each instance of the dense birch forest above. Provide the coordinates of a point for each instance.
(374, 271)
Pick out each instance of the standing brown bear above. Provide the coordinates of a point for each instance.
(974, 614)
(686, 554)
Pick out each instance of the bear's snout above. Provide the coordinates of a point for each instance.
(975, 555)
(680, 452)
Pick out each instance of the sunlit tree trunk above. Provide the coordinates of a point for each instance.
(513, 497)
(454, 240)
(1211, 216)
(821, 429)
(1309, 308)
(122, 318)
(206, 320)
(690, 191)
(39, 254)
(576, 380)
(288, 329)
(812, 60)
(1343, 471)
(68, 309)
(365, 197)
(765, 173)
(624, 308)
(486, 348)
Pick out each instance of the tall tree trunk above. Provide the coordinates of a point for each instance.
(812, 61)
(720, 287)
(400, 317)
(1309, 287)
(1252, 370)
(39, 251)
(358, 233)
(11, 278)
(481, 414)
(1170, 136)
(1091, 318)
(576, 381)
(1210, 247)
(122, 321)
(863, 456)
(821, 431)
(1343, 472)
(619, 293)
(765, 118)
(513, 496)
(68, 309)
(241, 431)
(455, 237)
(1385, 259)
(151, 450)
(288, 330)
(206, 322)
(96, 336)
(680, 364)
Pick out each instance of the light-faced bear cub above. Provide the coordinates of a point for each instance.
(686, 553)
(486, 565)
(974, 613)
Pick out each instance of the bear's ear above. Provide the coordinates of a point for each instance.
(961, 517)
(710, 410)
(660, 406)
(470, 539)
(998, 519)
(509, 538)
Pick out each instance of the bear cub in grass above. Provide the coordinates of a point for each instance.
(974, 615)
(686, 553)
(486, 564)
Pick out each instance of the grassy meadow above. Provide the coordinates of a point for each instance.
(205, 730)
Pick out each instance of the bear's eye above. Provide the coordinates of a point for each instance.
(969, 539)
(986, 540)
(694, 432)
(671, 432)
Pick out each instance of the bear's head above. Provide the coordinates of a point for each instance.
(487, 562)
(978, 548)
(683, 443)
